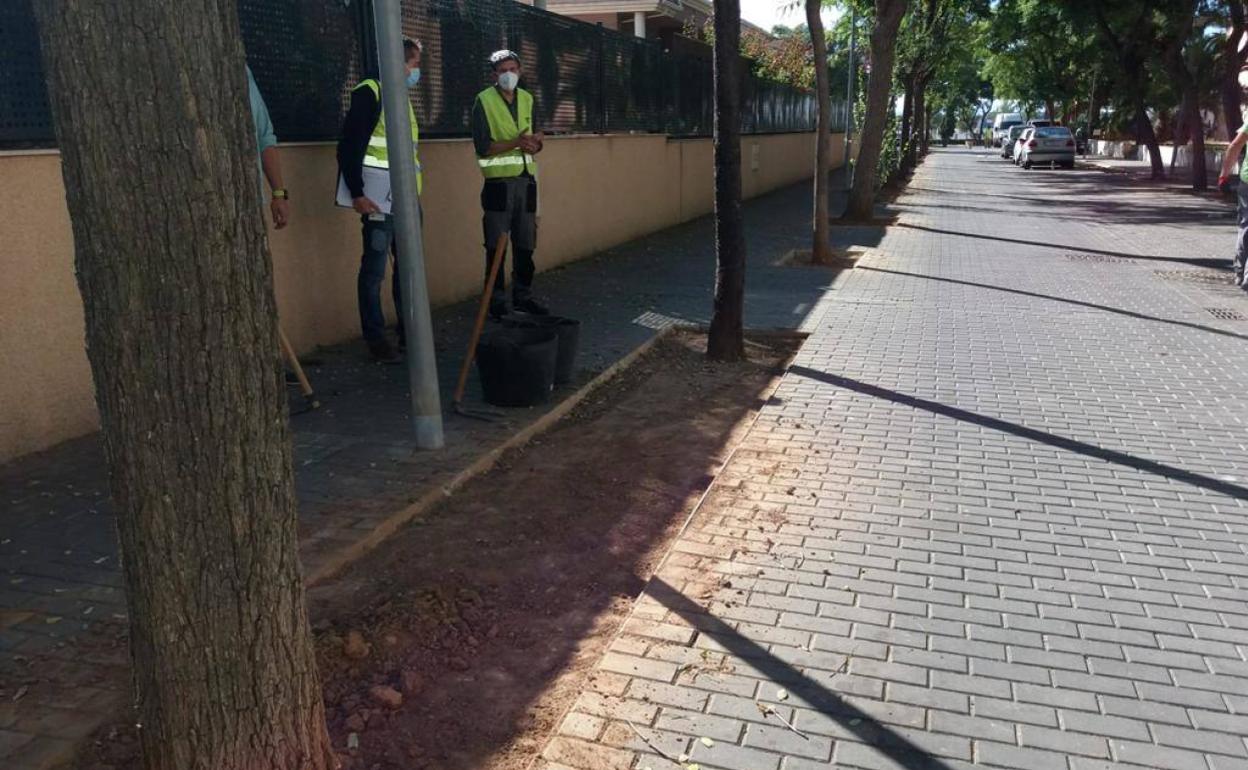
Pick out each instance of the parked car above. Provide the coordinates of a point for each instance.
(1002, 124)
(1040, 123)
(1019, 143)
(1007, 144)
(1048, 144)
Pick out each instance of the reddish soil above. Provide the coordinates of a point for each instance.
(481, 623)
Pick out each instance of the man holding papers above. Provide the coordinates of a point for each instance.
(363, 167)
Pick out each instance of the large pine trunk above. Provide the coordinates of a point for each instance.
(1229, 90)
(159, 161)
(820, 250)
(888, 15)
(726, 341)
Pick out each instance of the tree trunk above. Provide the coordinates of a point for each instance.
(907, 121)
(159, 160)
(726, 341)
(1233, 59)
(888, 14)
(926, 142)
(1190, 124)
(1148, 137)
(821, 250)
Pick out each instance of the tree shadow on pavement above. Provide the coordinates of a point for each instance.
(850, 720)
(1171, 472)
(1064, 300)
(1197, 261)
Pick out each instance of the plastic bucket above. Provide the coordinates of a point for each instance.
(569, 333)
(517, 365)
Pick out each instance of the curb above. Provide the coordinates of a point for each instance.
(334, 563)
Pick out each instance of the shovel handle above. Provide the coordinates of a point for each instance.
(482, 310)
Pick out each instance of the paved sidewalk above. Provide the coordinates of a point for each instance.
(996, 514)
(62, 610)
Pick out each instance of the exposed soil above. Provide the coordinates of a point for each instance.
(459, 643)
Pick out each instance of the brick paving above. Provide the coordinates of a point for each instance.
(996, 514)
(62, 609)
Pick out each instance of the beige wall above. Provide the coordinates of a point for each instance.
(597, 192)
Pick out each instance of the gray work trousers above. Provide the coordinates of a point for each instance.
(509, 207)
(1241, 245)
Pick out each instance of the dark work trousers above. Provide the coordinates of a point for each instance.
(1241, 245)
(509, 207)
(379, 248)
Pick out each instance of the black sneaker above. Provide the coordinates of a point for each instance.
(530, 306)
(383, 353)
(498, 308)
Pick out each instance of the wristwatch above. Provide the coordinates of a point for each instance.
(281, 193)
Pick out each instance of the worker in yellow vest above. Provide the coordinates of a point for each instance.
(363, 144)
(506, 139)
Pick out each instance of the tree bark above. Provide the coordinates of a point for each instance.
(1190, 125)
(821, 250)
(158, 155)
(907, 122)
(925, 140)
(1131, 59)
(726, 341)
(1233, 60)
(888, 15)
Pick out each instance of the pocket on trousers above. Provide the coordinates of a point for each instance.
(530, 203)
(379, 241)
(494, 197)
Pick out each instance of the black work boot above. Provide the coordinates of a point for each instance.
(382, 352)
(523, 302)
(498, 306)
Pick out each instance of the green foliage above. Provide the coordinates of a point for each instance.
(785, 59)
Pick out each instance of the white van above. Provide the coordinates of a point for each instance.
(1002, 124)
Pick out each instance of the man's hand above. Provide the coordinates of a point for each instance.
(364, 205)
(1224, 183)
(531, 143)
(280, 207)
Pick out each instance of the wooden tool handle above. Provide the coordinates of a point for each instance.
(482, 310)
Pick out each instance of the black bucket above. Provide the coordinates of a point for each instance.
(517, 365)
(569, 331)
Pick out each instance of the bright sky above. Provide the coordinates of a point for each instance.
(768, 13)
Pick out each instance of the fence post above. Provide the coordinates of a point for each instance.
(600, 77)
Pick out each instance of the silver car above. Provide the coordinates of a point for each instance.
(1017, 153)
(1048, 144)
(1007, 146)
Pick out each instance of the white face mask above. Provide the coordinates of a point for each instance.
(508, 81)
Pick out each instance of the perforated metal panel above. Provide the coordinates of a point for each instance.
(25, 117)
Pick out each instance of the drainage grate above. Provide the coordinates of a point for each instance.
(1196, 276)
(1097, 258)
(1226, 314)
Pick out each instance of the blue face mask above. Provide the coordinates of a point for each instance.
(413, 77)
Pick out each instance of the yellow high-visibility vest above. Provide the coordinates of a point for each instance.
(377, 155)
(505, 128)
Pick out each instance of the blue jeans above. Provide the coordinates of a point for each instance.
(379, 248)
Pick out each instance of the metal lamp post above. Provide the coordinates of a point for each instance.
(422, 370)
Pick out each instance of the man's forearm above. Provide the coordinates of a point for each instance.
(1232, 153)
(498, 148)
(271, 162)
